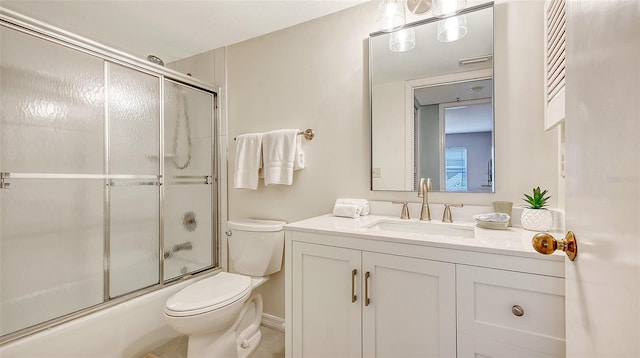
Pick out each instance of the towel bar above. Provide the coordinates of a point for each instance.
(307, 133)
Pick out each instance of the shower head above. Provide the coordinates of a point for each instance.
(155, 59)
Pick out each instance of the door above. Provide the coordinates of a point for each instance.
(326, 301)
(603, 188)
(408, 307)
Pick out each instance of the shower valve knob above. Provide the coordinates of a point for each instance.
(228, 233)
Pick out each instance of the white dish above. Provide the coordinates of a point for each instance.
(492, 225)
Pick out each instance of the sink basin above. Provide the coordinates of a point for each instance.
(423, 227)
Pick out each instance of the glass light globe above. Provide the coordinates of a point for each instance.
(452, 28)
(445, 8)
(391, 15)
(402, 40)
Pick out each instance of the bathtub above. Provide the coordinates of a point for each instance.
(129, 329)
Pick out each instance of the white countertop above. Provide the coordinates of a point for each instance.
(513, 241)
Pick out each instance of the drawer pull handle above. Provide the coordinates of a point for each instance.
(354, 298)
(517, 310)
(367, 301)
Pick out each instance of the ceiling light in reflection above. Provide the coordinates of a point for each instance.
(44, 110)
(403, 40)
(445, 8)
(452, 28)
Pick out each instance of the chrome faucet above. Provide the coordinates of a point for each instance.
(446, 215)
(423, 192)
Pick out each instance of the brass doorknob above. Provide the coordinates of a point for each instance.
(546, 244)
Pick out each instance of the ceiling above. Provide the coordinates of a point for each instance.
(174, 29)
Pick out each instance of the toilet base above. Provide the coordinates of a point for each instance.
(249, 345)
(230, 344)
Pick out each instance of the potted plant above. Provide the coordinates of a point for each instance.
(535, 216)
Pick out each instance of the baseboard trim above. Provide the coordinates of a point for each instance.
(273, 322)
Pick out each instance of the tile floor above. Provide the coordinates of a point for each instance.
(271, 346)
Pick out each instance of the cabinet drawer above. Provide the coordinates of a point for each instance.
(486, 301)
(475, 347)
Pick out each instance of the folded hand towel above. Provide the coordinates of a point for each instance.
(248, 161)
(279, 156)
(346, 210)
(362, 203)
(493, 217)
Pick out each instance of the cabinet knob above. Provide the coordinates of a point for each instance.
(546, 244)
(517, 310)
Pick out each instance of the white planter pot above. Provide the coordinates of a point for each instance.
(537, 219)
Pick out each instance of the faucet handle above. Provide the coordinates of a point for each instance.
(446, 215)
(405, 209)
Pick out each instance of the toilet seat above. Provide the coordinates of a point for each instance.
(209, 294)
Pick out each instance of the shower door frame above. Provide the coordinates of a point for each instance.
(28, 26)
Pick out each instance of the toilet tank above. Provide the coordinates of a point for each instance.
(255, 246)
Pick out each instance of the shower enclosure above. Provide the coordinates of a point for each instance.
(106, 177)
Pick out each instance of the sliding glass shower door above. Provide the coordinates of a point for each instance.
(52, 112)
(106, 180)
(188, 219)
(132, 205)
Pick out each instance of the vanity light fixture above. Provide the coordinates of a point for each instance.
(391, 15)
(402, 40)
(452, 28)
(418, 7)
(446, 8)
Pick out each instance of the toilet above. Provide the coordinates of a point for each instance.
(220, 314)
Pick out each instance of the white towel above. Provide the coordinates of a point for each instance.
(282, 153)
(362, 203)
(346, 210)
(248, 161)
(298, 161)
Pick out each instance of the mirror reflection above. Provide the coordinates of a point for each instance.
(432, 105)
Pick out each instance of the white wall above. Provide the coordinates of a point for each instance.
(316, 75)
(390, 131)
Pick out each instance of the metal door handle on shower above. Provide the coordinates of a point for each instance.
(192, 179)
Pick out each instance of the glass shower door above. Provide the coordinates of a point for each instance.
(106, 181)
(133, 228)
(51, 158)
(188, 190)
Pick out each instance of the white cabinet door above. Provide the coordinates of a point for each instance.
(519, 312)
(326, 301)
(411, 307)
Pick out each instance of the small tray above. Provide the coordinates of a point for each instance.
(492, 225)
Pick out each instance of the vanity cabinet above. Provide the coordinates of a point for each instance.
(358, 295)
(354, 303)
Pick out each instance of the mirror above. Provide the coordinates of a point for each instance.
(432, 105)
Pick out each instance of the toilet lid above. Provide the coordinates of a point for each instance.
(209, 294)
